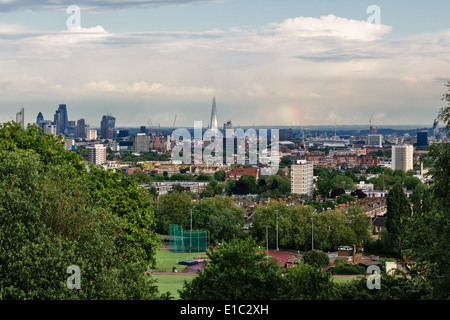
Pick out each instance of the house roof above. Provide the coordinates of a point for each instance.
(378, 221)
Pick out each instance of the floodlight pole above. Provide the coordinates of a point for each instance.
(190, 235)
(277, 230)
(312, 229)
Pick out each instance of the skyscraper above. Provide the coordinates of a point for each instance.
(435, 129)
(81, 129)
(60, 119)
(40, 120)
(422, 138)
(213, 124)
(20, 118)
(107, 127)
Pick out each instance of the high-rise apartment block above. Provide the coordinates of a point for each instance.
(97, 154)
(402, 157)
(302, 178)
(91, 134)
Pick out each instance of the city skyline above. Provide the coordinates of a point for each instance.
(266, 63)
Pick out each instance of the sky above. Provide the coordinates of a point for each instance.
(266, 62)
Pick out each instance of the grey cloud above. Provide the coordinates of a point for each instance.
(94, 5)
(338, 57)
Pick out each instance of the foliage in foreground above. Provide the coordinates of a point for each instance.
(51, 219)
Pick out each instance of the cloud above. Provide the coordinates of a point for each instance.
(330, 26)
(88, 5)
(295, 71)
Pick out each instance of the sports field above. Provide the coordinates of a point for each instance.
(166, 260)
(171, 283)
(163, 271)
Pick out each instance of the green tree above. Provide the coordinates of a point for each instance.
(238, 270)
(343, 182)
(305, 282)
(132, 205)
(316, 258)
(411, 182)
(220, 175)
(250, 181)
(398, 210)
(344, 198)
(200, 215)
(49, 222)
(172, 209)
(434, 252)
(224, 226)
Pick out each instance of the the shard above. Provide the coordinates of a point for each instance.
(213, 124)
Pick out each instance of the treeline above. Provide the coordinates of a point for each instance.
(275, 186)
(297, 225)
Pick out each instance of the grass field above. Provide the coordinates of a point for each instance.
(166, 259)
(171, 283)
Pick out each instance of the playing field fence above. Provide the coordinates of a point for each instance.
(186, 241)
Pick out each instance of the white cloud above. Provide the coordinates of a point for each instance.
(330, 26)
(293, 71)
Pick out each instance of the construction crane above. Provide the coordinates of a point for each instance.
(370, 121)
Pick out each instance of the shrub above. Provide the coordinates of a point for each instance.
(316, 258)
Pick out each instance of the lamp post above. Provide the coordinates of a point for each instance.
(312, 229)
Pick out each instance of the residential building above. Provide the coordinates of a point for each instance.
(302, 178)
(237, 173)
(91, 134)
(402, 157)
(97, 154)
